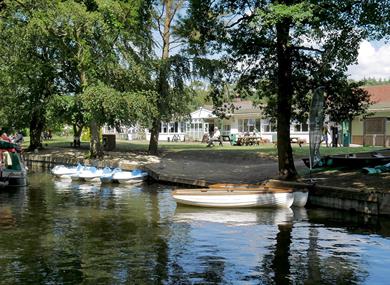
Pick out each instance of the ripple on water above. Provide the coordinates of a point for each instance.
(61, 232)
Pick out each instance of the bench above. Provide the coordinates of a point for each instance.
(297, 140)
(211, 142)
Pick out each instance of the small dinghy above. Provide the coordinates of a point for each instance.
(262, 196)
(300, 190)
(134, 176)
(62, 171)
(107, 175)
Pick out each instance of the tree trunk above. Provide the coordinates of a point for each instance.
(163, 86)
(37, 124)
(77, 130)
(285, 92)
(154, 133)
(96, 150)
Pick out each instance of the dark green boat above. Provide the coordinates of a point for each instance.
(354, 160)
(12, 169)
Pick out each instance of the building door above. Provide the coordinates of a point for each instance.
(374, 132)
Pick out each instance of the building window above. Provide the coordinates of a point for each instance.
(258, 124)
(248, 125)
(226, 130)
(164, 128)
(182, 127)
(240, 126)
(297, 127)
(265, 126)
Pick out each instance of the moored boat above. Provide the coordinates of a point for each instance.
(76, 175)
(13, 172)
(108, 173)
(62, 171)
(135, 176)
(235, 198)
(92, 173)
(300, 190)
(354, 160)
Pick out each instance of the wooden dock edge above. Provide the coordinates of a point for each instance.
(350, 199)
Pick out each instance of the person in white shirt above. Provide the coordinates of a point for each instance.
(216, 137)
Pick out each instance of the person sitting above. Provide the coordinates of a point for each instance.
(5, 137)
(216, 137)
(18, 138)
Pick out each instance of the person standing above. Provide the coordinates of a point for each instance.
(325, 133)
(335, 135)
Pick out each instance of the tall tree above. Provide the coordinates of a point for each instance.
(284, 49)
(100, 42)
(66, 48)
(172, 70)
(27, 70)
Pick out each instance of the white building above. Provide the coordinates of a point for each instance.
(246, 118)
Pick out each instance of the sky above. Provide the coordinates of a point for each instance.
(373, 61)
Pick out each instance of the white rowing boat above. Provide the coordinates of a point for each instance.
(235, 198)
(300, 190)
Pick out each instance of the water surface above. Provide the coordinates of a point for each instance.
(58, 232)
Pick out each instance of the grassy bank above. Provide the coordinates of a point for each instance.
(245, 151)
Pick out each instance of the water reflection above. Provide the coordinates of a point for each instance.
(59, 232)
(234, 217)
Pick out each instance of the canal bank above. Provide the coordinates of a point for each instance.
(48, 158)
(351, 191)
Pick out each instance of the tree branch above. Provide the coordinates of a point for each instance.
(308, 49)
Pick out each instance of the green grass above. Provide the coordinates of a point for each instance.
(267, 149)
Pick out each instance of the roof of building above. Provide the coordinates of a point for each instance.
(202, 113)
(380, 95)
(241, 107)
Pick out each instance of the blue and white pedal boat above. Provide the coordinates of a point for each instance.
(130, 177)
(62, 171)
(108, 173)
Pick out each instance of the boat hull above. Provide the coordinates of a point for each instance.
(130, 181)
(300, 190)
(15, 173)
(106, 179)
(16, 181)
(354, 160)
(233, 199)
(61, 171)
(300, 198)
(125, 177)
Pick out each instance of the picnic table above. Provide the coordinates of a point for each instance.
(250, 140)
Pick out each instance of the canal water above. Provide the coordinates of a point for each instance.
(58, 232)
